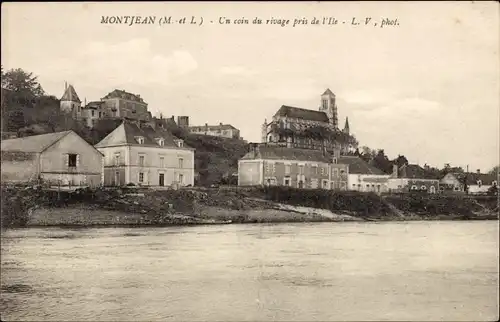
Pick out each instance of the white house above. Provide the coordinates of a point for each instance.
(140, 154)
(363, 176)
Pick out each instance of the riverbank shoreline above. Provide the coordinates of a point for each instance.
(35, 207)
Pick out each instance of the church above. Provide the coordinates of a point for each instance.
(295, 127)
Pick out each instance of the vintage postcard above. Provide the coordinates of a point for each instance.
(250, 161)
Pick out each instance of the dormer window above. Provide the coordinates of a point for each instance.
(479, 183)
(139, 139)
(180, 143)
(160, 141)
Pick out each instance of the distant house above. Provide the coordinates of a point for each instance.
(62, 159)
(222, 130)
(365, 177)
(143, 155)
(412, 178)
(476, 183)
(292, 167)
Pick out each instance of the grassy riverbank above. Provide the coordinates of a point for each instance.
(28, 206)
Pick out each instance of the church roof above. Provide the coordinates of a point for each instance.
(70, 95)
(328, 92)
(301, 113)
(346, 126)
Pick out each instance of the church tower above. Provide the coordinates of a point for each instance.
(329, 106)
(70, 102)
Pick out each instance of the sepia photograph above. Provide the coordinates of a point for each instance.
(250, 161)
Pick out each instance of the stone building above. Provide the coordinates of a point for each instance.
(116, 104)
(135, 152)
(293, 167)
(304, 128)
(62, 159)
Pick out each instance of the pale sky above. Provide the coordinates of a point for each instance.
(428, 88)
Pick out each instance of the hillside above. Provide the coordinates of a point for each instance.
(216, 158)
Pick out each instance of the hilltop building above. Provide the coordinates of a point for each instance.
(116, 104)
(221, 130)
(301, 128)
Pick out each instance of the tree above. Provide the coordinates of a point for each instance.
(24, 84)
(381, 161)
(495, 170)
(400, 161)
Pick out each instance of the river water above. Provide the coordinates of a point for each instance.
(418, 271)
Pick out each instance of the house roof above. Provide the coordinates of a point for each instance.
(269, 152)
(118, 93)
(346, 126)
(359, 166)
(415, 171)
(70, 95)
(328, 92)
(128, 131)
(94, 104)
(34, 143)
(215, 127)
(302, 113)
(473, 177)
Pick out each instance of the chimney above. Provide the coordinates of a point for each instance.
(394, 170)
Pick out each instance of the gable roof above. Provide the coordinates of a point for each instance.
(415, 171)
(70, 95)
(359, 166)
(128, 131)
(34, 143)
(473, 178)
(328, 92)
(118, 93)
(302, 113)
(269, 152)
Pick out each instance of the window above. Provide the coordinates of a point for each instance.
(92, 112)
(479, 183)
(181, 163)
(494, 183)
(315, 169)
(141, 177)
(325, 104)
(325, 184)
(100, 114)
(301, 169)
(414, 187)
(287, 169)
(141, 160)
(287, 181)
(162, 162)
(181, 178)
(322, 171)
(423, 188)
(180, 143)
(72, 160)
(335, 172)
(161, 142)
(117, 158)
(140, 140)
